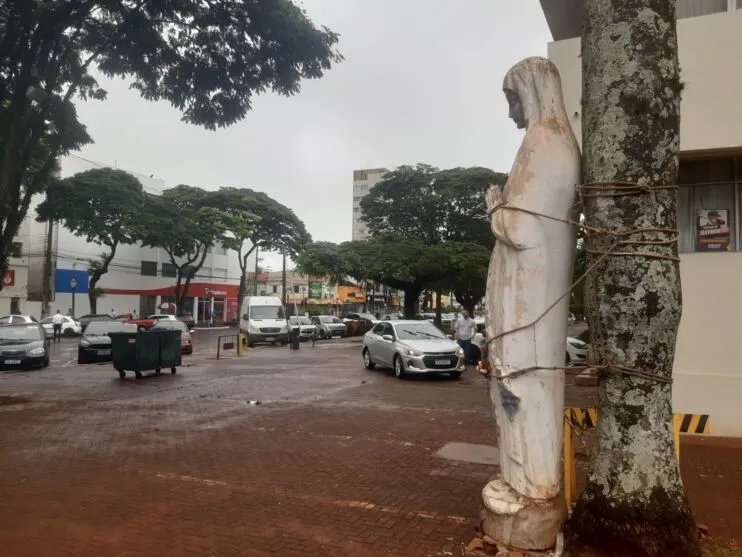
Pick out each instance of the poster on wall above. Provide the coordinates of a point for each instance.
(713, 233)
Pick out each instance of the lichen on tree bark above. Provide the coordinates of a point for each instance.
(634, 503)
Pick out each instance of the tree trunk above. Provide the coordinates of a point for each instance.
(95, 275)
(634, 504)
(438, 309)
(411, 296)
(243, 281)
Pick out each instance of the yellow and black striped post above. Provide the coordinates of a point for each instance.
(581, 419)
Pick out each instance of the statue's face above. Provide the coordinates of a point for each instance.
(516, 109)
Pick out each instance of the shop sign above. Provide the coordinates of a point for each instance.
(315, 290)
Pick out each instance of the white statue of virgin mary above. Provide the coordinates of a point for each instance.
(530, 269)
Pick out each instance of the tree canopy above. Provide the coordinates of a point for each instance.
(104, 206)
(208, 60)
(183, 224)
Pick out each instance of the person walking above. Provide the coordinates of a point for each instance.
(464, 331)
(57, 322)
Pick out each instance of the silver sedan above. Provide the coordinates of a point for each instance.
(412, 347)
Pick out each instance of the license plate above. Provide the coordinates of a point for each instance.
(442, 362)
(269, 339)
(104, 352)
(12, 362)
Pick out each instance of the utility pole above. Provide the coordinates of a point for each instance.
(46, 287)
(283, 280)
(257, 251)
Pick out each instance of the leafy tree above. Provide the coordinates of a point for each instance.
(277, 227)
(182, 224)
(325, 259)
(208, 60)
(102, 205)
(240, 227)
(634, 502)
(433, 207)
(463, 269)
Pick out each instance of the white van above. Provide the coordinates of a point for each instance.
(263, 320)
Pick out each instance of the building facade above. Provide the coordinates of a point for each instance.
(708, 375)
(140, 279)
(363, 181)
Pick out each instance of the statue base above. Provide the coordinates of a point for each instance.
(513, 520)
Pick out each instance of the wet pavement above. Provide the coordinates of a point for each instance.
(280, 452)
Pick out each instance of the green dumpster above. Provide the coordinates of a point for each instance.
(145, 350)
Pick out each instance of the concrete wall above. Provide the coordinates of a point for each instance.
(708, 363)
(712, 99)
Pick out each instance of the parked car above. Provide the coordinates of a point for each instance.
(412, 347)
(15, 319)
(328, 326)
(152, 320)
(186, 341)
(70, 327)
(360, 317)
(576, 351)
(85, 320)
(95, 344)
(23, 345)
(306, 328)
(392, 317)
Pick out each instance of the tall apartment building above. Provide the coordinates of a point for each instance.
(363, 181)
(707, 370)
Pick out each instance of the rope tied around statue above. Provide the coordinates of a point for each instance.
(623, 240)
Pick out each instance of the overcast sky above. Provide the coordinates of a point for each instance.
(421, 82)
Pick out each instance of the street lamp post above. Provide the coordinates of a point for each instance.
(73, 286)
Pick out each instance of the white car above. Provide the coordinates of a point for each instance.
(412, 347)
(15, 319)
(576, 352)
(70, 327)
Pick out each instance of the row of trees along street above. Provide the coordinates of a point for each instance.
(109, 207)
(429, 230)
(207, 61)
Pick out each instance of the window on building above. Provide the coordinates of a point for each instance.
(695, 8)
(220, 274)
(16, 249)
(169, 270)
(15, 305)
(296, 289)
(275, 288)
(708, 205)
(356, 198)
(149, 268)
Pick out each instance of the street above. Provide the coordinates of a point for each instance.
(280, 452)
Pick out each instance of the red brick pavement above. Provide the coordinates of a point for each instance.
(336, 462)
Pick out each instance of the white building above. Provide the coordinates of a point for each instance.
(139, 279)
(363, 181)
(708, 375)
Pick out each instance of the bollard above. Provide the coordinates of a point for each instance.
(295, 338)
(240, 344)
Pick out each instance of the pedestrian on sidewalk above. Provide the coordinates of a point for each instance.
(57, 322)
(464, 331)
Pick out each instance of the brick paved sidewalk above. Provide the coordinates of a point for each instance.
(337, 461)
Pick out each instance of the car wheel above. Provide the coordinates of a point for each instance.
(399, 368)
(122, 373)
(68, 332)
(455, 374)
(567, 359)
(46, 361)
(367, 361)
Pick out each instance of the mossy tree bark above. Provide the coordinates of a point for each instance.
(634, 504)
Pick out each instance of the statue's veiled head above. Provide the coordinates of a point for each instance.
(534, 92)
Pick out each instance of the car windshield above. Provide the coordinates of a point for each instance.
(329, 319)
(105, 327)
(418, 331)
(19, 333)
(266, 312)
(300, 320)
(171, 326)
(367, 316)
